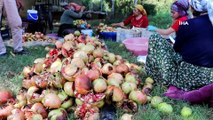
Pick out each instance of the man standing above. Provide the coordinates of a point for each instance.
(15, 24)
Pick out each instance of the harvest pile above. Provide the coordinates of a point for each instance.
(105, 28)
(37, 36)
(81, 24)
(78, 75)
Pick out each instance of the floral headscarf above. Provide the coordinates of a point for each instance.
(203, 6)
(180, 6)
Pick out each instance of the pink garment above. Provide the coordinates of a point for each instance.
(15, 24)
(76, 6)
(201, 95)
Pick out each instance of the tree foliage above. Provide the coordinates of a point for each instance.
(124, 7)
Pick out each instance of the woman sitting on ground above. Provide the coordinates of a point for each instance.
(73, 11)
(137, 19)
(178, 13)
(187, 67)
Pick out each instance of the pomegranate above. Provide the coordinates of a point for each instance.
(98, 53)
(69, 37)
(57, 114)
(69, 88)
(107, 68)
(36, 117)
(27, 83)
(90, 97)
(82, 84)
(165, 108)
(39, 109)
(130, 77)
(38, 68)
(111, 57)
(147, 88)
(93, 74)
(26, 71)
(118, 94)
(99, 85)
(80, 45)
(82, 55)
(31, 91)
(85, 110)
(21, 100)
(51, 100)
(40, 81)
(95, 116)
(68, 71)
(67, 45)
(99, 104)
(113, 81)
(78, 102)
(5, 95)
(56, 66)
(6, 111)
(78, 62)
(67, 104)
(117, 76)
(156, 100)
(122, 68)
(138, 97)
(129, 106)
(88, 48)
(127, 87)
(62, 95)
(58, 44)
(16, 115)
(149, 80)
(127, 117)
(114, 93)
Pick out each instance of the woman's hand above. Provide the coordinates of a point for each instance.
(121, 24)
(151, 28)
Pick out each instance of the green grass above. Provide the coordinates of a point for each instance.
(12, 66)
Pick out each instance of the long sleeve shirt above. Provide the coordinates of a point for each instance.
(69, 16)
(194, 41)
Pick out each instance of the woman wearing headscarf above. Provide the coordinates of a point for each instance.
(186, 67)
(137, 19)
(72, 12)
(178, 13)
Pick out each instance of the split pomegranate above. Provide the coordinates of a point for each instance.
(39, 109)
(5, 95)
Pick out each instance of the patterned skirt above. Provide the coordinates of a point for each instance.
(166, 67)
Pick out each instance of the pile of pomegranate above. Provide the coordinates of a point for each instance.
(105, 28)
(77, 76)
(37, 36)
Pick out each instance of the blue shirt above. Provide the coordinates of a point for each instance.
(194, 41)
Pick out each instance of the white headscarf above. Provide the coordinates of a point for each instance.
(203, 6)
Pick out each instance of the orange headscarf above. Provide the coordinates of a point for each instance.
(141, 9)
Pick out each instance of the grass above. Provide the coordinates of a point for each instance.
(12, 66)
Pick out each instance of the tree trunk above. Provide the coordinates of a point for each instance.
(135, 2)
(113, 8)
